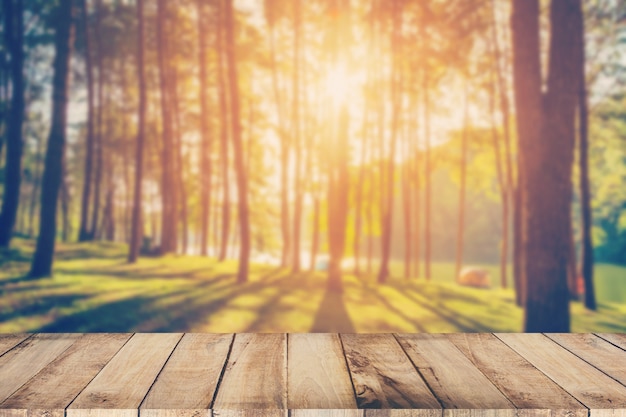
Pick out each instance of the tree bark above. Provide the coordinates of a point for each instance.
(549, 183)
(427, 180)
(99, 136)
(53, 169)
(462, 188)
(388, 190)
(14, 35)
(83, 233)
(587, 256)
(168, 192)
(136, 234)
(224, 134)
(298, 194)
(242, 180)
(206, 144)
(36, 184)
(65, 203)
(528, 104)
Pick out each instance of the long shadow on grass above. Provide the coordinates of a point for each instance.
(374, 292)
(41, 305)
(177, 311)
(332, 316)
(444, 312)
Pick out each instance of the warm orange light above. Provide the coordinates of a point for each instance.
(338, 84)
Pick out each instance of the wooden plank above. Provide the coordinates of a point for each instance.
(402, 413)
(202, 412)
(317, 374)
(56, 385)
(250, 413)
(382, 375)
(103, 412)
(524, 385)
(455, 381)
(255, 377)
(590, 386)
(31, 412)
(29, 357)
(189, 379)
(9, 341)
(124, 382)
(618, 339)
(598, 352)
(326, 413)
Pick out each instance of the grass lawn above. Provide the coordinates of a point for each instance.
(95, 290)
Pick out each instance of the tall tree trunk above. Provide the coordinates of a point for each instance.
(224, 135)
(65, 203)
(99, 137)
(168, 191)
(14, 35)
(298, 193)
(83, 233)
(284, 147)
(406, 208)
(242, 180)
(518, 243)
(206, 144)
(388, 199)
(417, 211)
(587, 257)
(316, 231)
(44, 253)
(507, 170)
(427, 179)
(501, 182)
(136, 234)
(550, 185)
(358, 216)
(4, 99)
(126, 157)
(36, 184)
(528, 104)
(460, 236)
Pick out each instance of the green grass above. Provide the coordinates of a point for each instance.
(95, 290)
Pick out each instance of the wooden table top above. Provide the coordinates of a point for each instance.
(348, 375)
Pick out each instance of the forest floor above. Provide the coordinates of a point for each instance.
(94, 290)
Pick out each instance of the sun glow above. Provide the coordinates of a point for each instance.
(338, 84)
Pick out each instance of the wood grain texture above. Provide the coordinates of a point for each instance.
(618, 340)
(124, 381)
(317, 374)
(256, 373)
(608, 413)
(175, 413)
(454, 380)
(31, 412)
(103, 412)
(524, 385)
(250, 413)
(480, 413)
(9, 341)
(382, 375)
(29, 357)
(402, 413)
(55, 386)
(587, 384)
(326, 413)
(189, 379)
(598, 352)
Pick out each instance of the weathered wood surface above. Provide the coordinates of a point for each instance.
(312, 375)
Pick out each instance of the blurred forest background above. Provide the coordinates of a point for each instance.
(291, 165)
